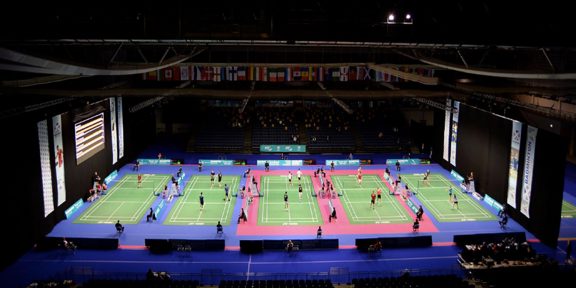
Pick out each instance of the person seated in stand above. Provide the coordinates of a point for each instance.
(319, 232)
(416, 225)
(376, 247)
(151, 216)
(219, 229)
(332, 215)
(289, 246)
(68, 245)
(103, 188)
(119, 227)
(503, 220)
(242, 216)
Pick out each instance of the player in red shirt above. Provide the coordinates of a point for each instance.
(359, 179)
(373, 200)
(59, 155)
(139, 180)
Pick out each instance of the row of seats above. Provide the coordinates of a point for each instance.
(141, 283)
(276, 283)
(406, 280)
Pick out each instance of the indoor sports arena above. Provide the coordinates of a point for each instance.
(279, 144)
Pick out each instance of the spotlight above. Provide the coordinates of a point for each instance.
(407, 19)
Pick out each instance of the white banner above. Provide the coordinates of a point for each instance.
(44, 148)
(120, 128)
(454, 133)
(113, 130)
(59, 156)
(447, 114)
(528, 168)
(514, 161)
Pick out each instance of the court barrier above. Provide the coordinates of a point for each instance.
(168, 245)
(257, 246)
(48, 243)
(463, 240)
(362, 244)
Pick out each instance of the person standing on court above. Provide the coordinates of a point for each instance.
(201, 200)
(286, 200)
(226, 192)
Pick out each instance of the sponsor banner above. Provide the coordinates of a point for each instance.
(343, 162)
(59, 156)
(412, 206)
(283, 148)
(492, 203)
(113, 132)
(44, 147)
(73, 208)
(155, 161)
(514, 161)
(454, 133)
(457, 176)
(447, 115)
(216, 162)
(280, 162)
(413, 161)
(111, 177)
(159, 208)
(120, 128)
(528, 169)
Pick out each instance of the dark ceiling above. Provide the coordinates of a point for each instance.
(526, 47)
(447, 21)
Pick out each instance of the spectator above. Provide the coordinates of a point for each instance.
(151, 216)
(289, 246)
(119, 227)
(569, 250)
(416, 225)
(219, 229)
(332, 215)
(419, 213)
(242, 216)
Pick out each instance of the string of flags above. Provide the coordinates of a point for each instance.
(190, 72)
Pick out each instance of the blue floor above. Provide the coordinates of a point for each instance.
(339, 265)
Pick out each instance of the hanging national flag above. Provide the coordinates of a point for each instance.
(232, 73)
(241, 73)
(272, 75)
(296, 74)
(320, 74)
(344, 73)
(184, 75)
(168, 73)
(281, 74)
(216, 77)
(288, 74)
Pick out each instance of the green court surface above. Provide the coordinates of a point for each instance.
(272, 211)
(356, 201)
(568, 210)
(434, 196)
(125, 201)
(186, 210)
